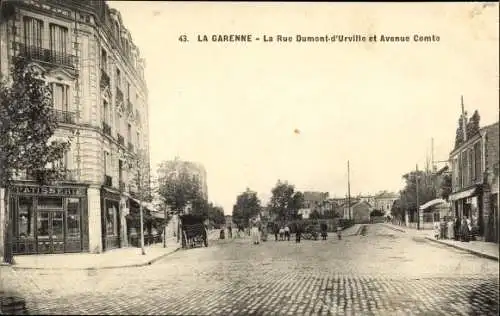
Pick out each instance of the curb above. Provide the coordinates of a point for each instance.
(360, 229)
(474, 252)
(137, 265)
(395, 228)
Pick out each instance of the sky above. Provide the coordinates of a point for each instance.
(234, 107)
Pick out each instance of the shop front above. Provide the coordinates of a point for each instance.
(48, 219)
(469, 203)
(111, 226)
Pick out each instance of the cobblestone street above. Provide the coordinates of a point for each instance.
(382, 272)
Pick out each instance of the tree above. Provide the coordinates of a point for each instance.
(315, 215)
(177, 187)
(445, 186)
(459, 137)
(216, 215)
(376, 213)
(408, 196)
(27, 124)
(247, 206)
(473, 125)
(285, 201)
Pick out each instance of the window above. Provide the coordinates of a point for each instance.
(63, 163)
(26, 218)
(73, 220)
(138, 140)
(470, 166)
(129, 133)
(477, 160)
(58, 39)
(105, 112)
(128, 90)
(60, 96)
(118, 124)
(50, 203)
(104, 59)
(118, 78)
(111, 218)
(106, 163)
(33, 30)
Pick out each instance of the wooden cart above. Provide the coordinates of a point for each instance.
(194, 232)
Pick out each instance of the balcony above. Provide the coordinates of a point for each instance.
(108, 181)
(48, 175)
(46, 55)
(119, 96)
(130, 147)
(105, 81)
(106, 128)
(121, 140)
(122, 186)
(65, 117)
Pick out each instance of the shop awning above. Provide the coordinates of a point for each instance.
(432, 203)
(150, 207)
(462, 195)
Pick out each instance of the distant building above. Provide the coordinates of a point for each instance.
(315, 201)
(384, 201)
(360, 211)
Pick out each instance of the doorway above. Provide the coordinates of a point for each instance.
(50, 231)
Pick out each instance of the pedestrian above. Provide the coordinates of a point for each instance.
(324, 229)
(450, 230)
(457, 228)
(255, 233)
(276, 231)
(298, 233)
(469, 227)
(464, 230)
(230, 232)
(339, 232)
(436, 230)
(287, 232)
(282, 233)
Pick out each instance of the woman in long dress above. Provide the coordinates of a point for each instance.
(255, 233)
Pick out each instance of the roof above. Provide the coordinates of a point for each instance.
(433, 203)
(315, 196)
(386, 195)
(489, 127)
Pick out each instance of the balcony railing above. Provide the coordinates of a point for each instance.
(122, 186)
(130, 147)
(108, 181)
(121, 140)
(46, 55)
(104, 79)
(106, 128)
(65, 117)
(119, 96)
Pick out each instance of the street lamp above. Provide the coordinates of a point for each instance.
(139, 196)
(418, 202)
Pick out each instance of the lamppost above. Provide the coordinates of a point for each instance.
(139, 196)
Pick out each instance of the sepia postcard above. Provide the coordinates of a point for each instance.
(249, 158)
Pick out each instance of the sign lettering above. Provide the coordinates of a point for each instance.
(46, 190)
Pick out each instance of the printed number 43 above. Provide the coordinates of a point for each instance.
(183, 38)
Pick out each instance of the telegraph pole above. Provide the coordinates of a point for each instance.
(140, 206)
(418, 202)
(349, 188)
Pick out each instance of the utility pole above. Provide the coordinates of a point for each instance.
(432, 155)
(418, 202)
(349, 188)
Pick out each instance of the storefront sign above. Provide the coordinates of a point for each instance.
(46, 190)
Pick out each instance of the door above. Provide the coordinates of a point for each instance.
(50, 231)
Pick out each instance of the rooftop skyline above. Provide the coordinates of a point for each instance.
(253, 113)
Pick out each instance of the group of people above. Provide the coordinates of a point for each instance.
(283, 232)
(459, 229)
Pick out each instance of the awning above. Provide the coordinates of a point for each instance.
(432, 203)
(150, 207)
(462, 195)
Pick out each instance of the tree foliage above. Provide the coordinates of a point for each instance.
(178, 188)
(473, 124)
(285, 201)
(459, 137)
(445, 186)
(376, 213)
(27, 123)
(247, 206)
(408, 196)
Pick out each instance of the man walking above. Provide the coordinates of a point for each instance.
(287, 232)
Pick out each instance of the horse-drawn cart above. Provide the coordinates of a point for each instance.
(194, 232)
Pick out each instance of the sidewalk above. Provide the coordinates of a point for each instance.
(116, 258)
(479, 248)
(352, 231)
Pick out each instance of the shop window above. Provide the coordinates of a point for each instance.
(50, 203)
(26, 218)
(111, 218)
(73, 220)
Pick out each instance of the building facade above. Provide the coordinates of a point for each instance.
(384, 202)
(195, 170)
(100, 96)
(474, 166)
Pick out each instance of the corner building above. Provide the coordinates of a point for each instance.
(101, 100)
